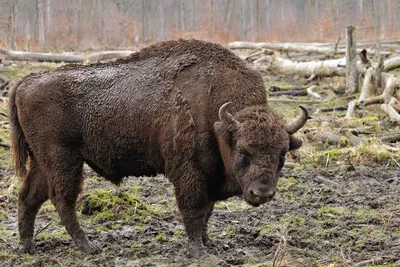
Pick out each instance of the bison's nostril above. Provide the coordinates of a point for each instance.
(263, 194)
(271, 194)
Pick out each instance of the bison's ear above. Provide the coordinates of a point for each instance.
(294, 143)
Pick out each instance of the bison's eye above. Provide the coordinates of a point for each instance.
(242, 159)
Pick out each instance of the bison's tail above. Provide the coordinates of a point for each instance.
(18, 143)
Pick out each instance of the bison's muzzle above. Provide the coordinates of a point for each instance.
(258, 193)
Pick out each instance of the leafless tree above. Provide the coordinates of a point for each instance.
(99, 24)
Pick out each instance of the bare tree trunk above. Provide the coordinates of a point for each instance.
(193, 15)
(210, 18)
(252, 20)
(102, 16)
(243, 26)
(41, 17)
(11, 24)
(351, 61)
(161, 11)
(319, 32)
(48, 16)
(257, 20)
(227, 16)
(268, 17)
(360, 16)
(79, 16)
(144, 21)
(377, 23)
(182, 14)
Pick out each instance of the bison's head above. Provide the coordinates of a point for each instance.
(253, 145)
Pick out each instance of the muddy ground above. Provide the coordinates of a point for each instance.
(319, 217)
(337, 205)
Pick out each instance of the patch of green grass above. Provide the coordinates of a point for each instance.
(3, 214)
(366, 235)
(286, 183)
(294, 220)
(367, 153)
(5, 154)
(332, 210)
(161, 238)
(268, 229)
(4, 255)
(288, 196)
(139, 228)
(59, 234)
(48, 208)
(103, 229)
(127, 206)
(179, 233)
(230, 231)
(232, 205)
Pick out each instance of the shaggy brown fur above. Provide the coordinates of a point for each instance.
(154, 112)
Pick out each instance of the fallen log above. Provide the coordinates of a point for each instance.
(391, 64)
(376, 261)
(332, 67)
(297, 48)
(309, 69)
(49, 57)
(334, 108)
(4, 85)
(32, 56)
(354, 140)
(295, 101)
(390, 82)
(107, 55)
(310, 92)
(327, 138)
(258, 52)
(391, 138)
(302, 92)
(6, 146)
(392, 113)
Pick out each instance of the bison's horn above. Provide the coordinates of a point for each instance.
(299, 122)
(227, 118)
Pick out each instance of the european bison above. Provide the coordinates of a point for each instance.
(162, 110)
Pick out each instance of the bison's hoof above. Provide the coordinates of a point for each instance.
(27, 247)
(89, 247)
(197, 252)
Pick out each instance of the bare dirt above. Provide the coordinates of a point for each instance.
(319, 217)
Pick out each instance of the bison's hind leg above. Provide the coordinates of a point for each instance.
(32, 194)
(65, 179)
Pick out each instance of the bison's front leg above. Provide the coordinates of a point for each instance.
(194, 205)
(206, 240)
(194, 218)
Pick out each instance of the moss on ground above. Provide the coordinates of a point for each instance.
(232, 205)
(111, 205)
(59, 234)
(332, 211)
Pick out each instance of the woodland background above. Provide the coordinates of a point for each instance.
(71, 25)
